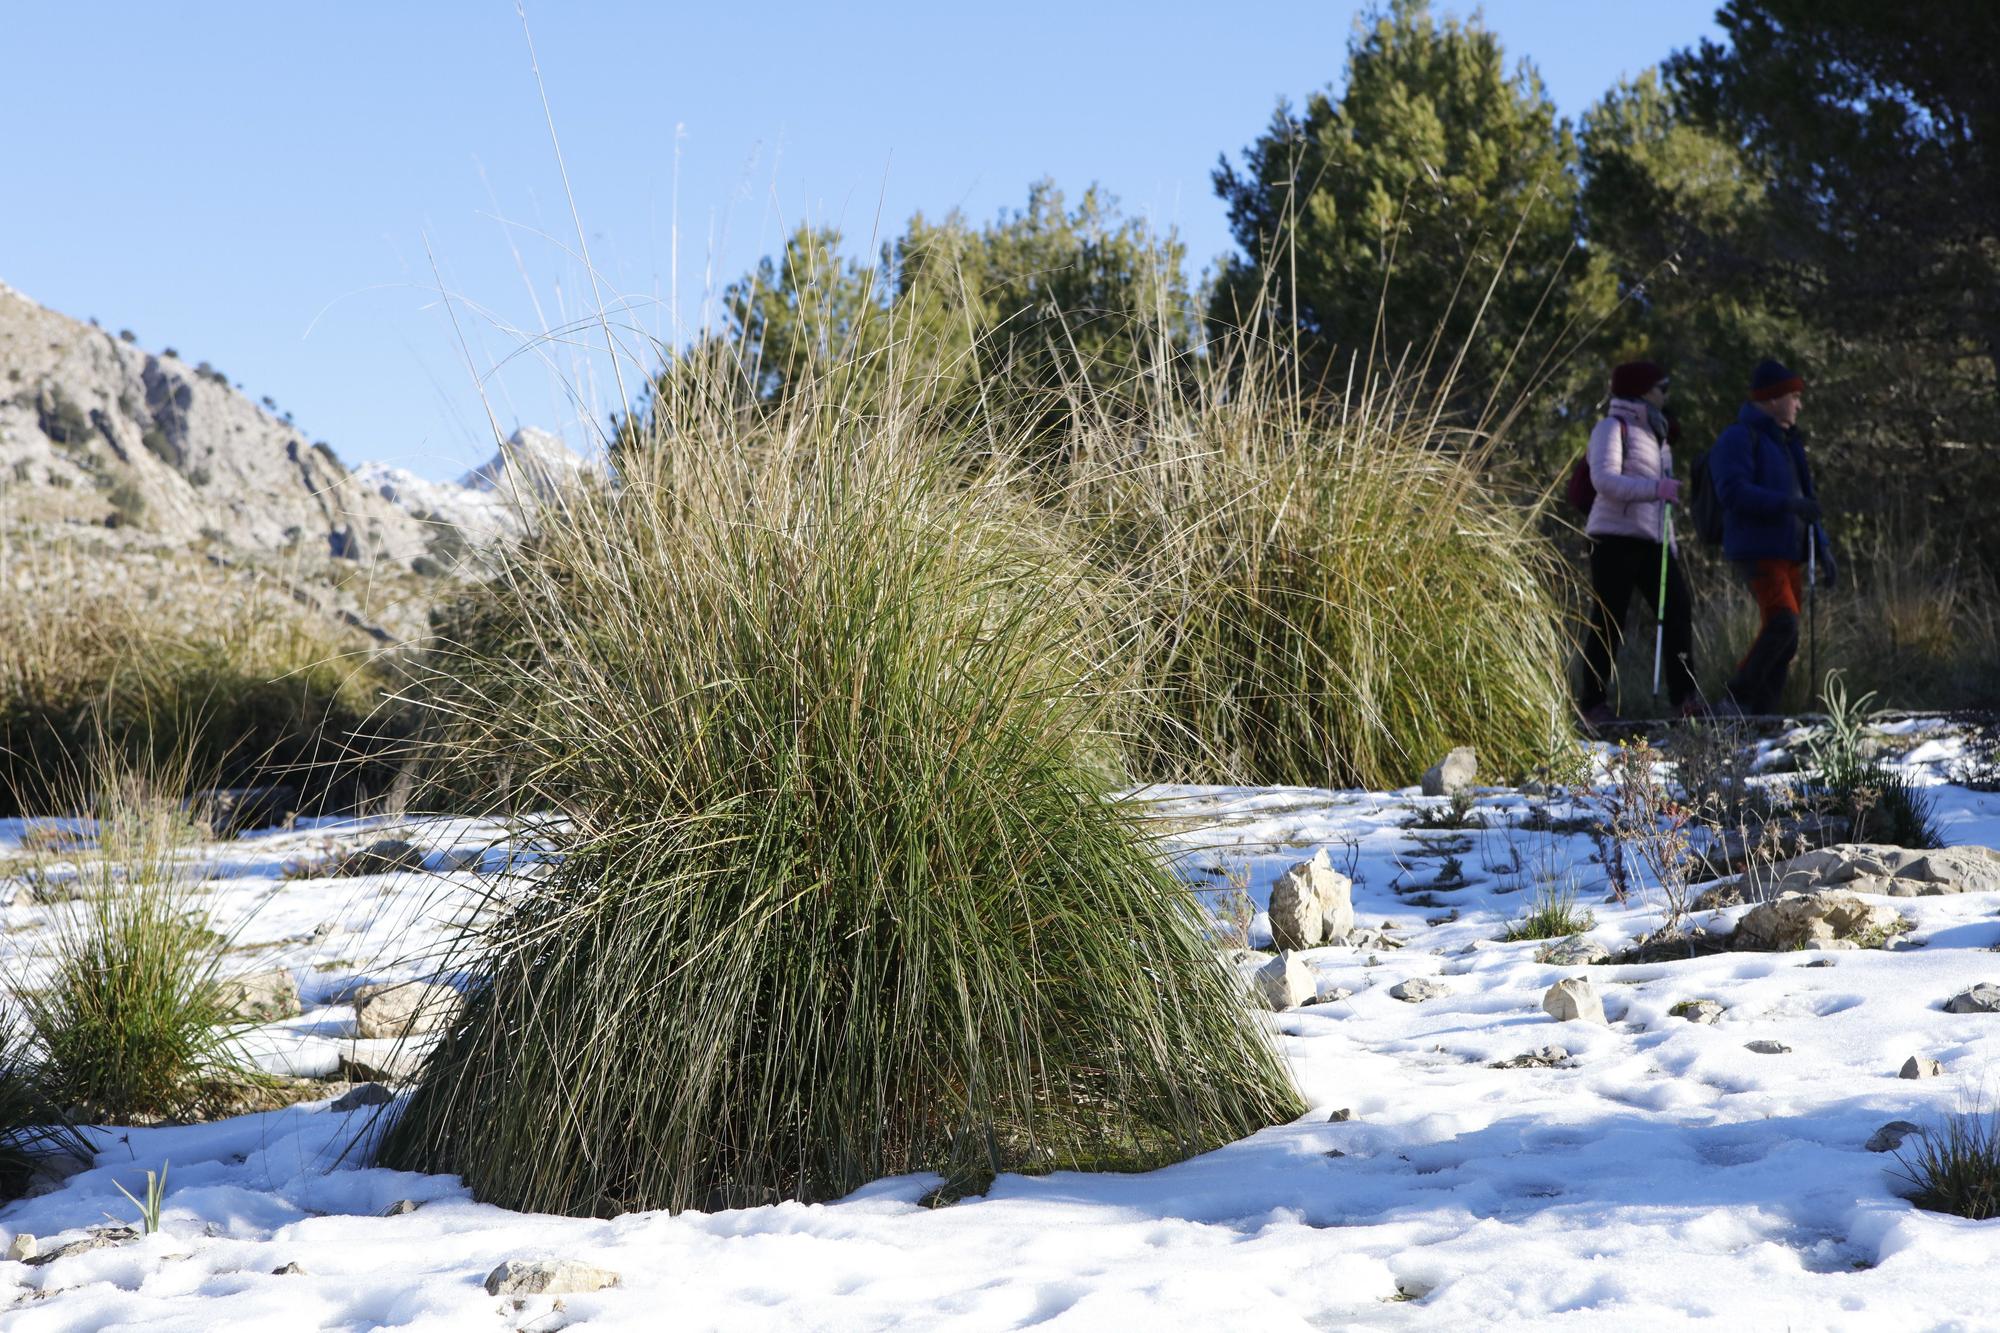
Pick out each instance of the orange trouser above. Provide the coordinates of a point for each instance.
(1779, 587)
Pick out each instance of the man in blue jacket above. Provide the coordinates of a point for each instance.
(1770, 512)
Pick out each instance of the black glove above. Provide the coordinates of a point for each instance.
(1805, 507)
(1829, 572)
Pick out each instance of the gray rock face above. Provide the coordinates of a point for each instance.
(1829, 919)
(1418, 989)
(261, 997)
(1311, 904)
(547, 1277)
(1921, 1066)
(1981, 999)
(1866, 867)
(402, 1008)
(1765, 1046)
(84, 413)
(1284, 983)
(1890, 1137)
(1574, 999)
(1456, 771)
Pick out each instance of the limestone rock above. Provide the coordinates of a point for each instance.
(360, 1095)
(1416, 990)
(1573, 951)
(1548, 1057)
(547, 1277)
(1311, 903)
(1765, 1046)
(1890, 1137)
(289, 1270)
(384, 856)
(1820, 920)
(261, 997)
(1455, 772)
(1921, 1066)
(23, 1247)
(1707, 1012)
(1284, 983)
(400, 1008)
(1981, 999)
(401, 1207)
(1865, 867)
(385, 1062)
(1573, 999)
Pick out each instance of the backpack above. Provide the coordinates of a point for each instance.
(1704, 505)
(1579, 490)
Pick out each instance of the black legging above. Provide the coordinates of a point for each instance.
(1620, 566)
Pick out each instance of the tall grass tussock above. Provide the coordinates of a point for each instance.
(832, 709)
(1339, 592)
(126, 1021)
(223, 673)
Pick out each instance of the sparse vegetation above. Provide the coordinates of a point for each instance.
(1849, 778)
(32, 1127)
(1552, 915)
(1955, 1166)
(129, 1023)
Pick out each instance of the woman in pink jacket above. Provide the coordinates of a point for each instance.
(1632, 470)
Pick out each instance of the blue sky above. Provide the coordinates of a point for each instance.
(266, 186)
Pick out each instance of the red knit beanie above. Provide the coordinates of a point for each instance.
(1635, 379)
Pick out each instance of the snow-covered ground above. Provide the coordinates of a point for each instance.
(1661, 1175)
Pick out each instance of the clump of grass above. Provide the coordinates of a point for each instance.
(1340, 592)
(1552, 915)
(128, 1023)
(1956, 1166)
(33, 1128)
(223, 670)
(832, 715)
(1850, 779)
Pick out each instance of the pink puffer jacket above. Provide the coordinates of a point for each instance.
(1626, 464)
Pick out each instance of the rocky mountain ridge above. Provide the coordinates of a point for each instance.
(96, 430)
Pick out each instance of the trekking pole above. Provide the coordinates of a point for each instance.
(1660, 602)
(1812, 604)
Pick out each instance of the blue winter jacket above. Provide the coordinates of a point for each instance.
(1756, 467)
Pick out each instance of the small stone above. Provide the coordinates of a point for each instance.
(1981, 999)
(1284, 983)
(1416, 990)
(1890, 1137)
(1921, 1066)
(400, 1207)
(1548, 1057)
(1334, 996)
(1707, 1012)
(1344, 1113)
(23, 1246)
(1765, 1046)
(289, 1270)
(360, 1095)
(1819, 962)
(1572, 999)
(1455, 772)
(547, 1277)
(399, 1008)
